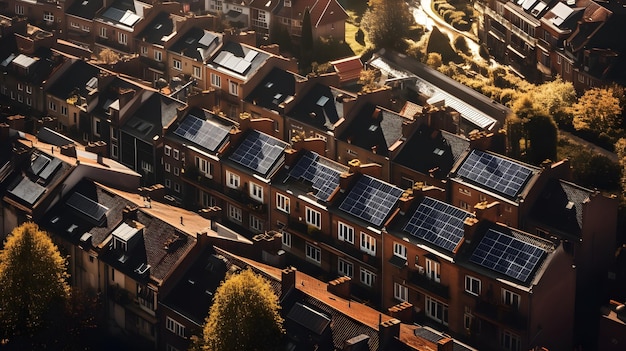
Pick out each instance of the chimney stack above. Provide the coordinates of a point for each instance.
(388, 331)
(288, 280)
(129, 213)
(340, 287)
(488, 211)
(445, 344)
(470, 225)
(69, 150)
(402, 311)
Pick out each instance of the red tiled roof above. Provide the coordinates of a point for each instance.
(348, 68)
(322, 11)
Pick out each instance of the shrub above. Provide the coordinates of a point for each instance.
(434, 60)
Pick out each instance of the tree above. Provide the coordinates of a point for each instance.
(387, 23)
(440, 43)
(108, 56)
(538, 128)
(620, 150)
(244, 316)
(556, 97)
(598, 110)
(306, 41)
(33, 286)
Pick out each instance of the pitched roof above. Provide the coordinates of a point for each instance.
(238, 60)
(349, 68)
(159, 30)
(321, 107)
(259, 153)
(124, 13)
(202, 129)
(74, 81)
(197, 43)
(276, 89)
(155, 113)
(326, 12)
(86, 9)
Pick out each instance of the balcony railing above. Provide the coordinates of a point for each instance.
(422, 281)
(500, 314)
(520, 33)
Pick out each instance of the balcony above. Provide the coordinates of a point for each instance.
(499, 314)
(517, 31)
(423, 282)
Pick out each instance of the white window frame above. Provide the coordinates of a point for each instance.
(177, 64)
(286, 239)
(52, 105)
(174, 326)
(167, 150)
(122, 38)
(367, 278)
(147, 166)
(48, 16)
(437, 310)
(29, 89)
(19, 9)
(86, 28)
(464, 205)
(144, 51)
(168, 183)
(234, 213)
(176, 171)
(510, 341)
(216, 80)
(20, 86)
(158, 55)
(399, 250)
(345, 268)
(176, 154)
(313, 253)
(256, 223)
(64, 110)
(96, 126)
(433, 270)
(205, 167)
(256, 191)
(29, 101)
(345, 232)
(233, 88)
(472, 285)
(313, 217)
(400, 292)
(368, 244)
(233, 180)
(197, 72)
(510, 298)
(103, 32)
(282, 203)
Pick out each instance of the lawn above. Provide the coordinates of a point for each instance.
(356, 47)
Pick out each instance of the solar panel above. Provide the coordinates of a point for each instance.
(323, 177)
(250, 55)
(371, 199)
(39, 163)
(87, 206)
(258, 152)
(201, 132)
(496, 173)
(438, 223)
(507, 255)
(50, 168)
(28, 191)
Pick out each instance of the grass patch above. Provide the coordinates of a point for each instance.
(356, 47)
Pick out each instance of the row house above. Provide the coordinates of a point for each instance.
(79, 18)
(261, 15)
(328, 18)
(47, 14)
(117, 24)
(487, 283)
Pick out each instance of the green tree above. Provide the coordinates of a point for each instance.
(620, 150)
(556, 97)
(244, 316)
(598, 110)
(538, 129)
(440, 43)
(387, 23)
(306, 41)
(33, 287)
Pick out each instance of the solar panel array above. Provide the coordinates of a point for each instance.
(438, 223)
(324, 178)
(87, 206)
(258, 152)
(507, 255)
(371, 200)
(234, 63)
(201, 132)
(39, 163)
(496, 173)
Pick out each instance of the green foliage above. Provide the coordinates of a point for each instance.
(387, 23)
(538, 129)
(440, 43)
(359, 36)
(598, 111)
(306, 41)
(33, 286)
(434, 60)
(244, 316)
(620, 150)
(597, 171)
(460, 44)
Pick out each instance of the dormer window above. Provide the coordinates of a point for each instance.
(119, 244)
(125, 235)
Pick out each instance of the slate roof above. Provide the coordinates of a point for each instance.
(35, 68)
(428, 149)
(49, 136)
(319, 107)
(238, 53)
(74, 80)
(276, 88)
(155, 113)
(197, 43)
(123, 13)
(86, 9)
(560, 205)
(108, 96)
(374, 127)
(158, 30)
(210, 123)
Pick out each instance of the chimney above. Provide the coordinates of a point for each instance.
(402, 311)
(406, 200)
(355, 165)
(125, 95)
(357, 343)
(291, 156)
(288, 281)
(156, 191)
(480, 140)
(372, 169)
(210, 213)
(97, 147)
(387, 332)
(487, 211)
(129, 213)
(346, 180)
(4, 132)
(17, 122)
(470, 224)
(69, 150)
(445, 344)
(340, 287)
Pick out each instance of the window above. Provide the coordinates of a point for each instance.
(286, 239)
(145, 297)
(146, 166)
(400, 292)
(510, 298)
(468, 322)
(64, 110)
(168, 150)
(176, 154)
(29, 101)
(144, 51)
(197, 72)
(158, 56)
(482, 197)
(433, 270)
(400, 250)
(558, 59)
(568, 67)
(119, 244)
(175, 327)
(19, 9)
(176, 171)
(233, 88)
(282, 202)
(206, 200)
(510, 341)
(465, 192)
(97, 127)
(472, 285)
(464, 205)
(368, 244)
(20, 86)
(48, 16)
(313, 253)
(205, 167)
(168, 183)
(52, 106)
(234, 213)
(216, 80)
(345, 268)
(177, 64)
(29, 89)
(256, 223)
(256, 192)
(581, 78)
(368, 278)
(436, 310)
(232, 180)
(176, 187)
(345, 233)
(86, 28)
(20, 97)
(313, 218)
(103, 32)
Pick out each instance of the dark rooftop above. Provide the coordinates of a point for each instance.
(197, 44)
(86, 9)
(74, 81)
(155, 113)
(276, 89)
(160, 28)
(321, 107)
(238, 60)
